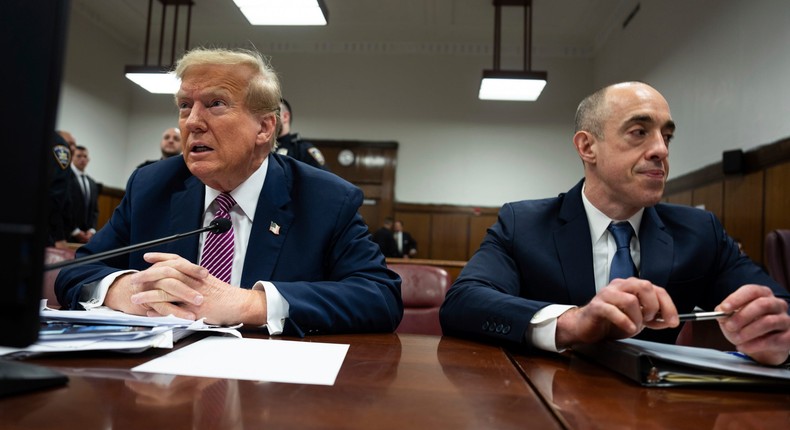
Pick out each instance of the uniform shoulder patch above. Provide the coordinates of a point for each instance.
(316, 153)
(62, 156)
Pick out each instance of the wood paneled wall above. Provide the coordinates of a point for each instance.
(445, 232)
(372, 170)
(750, 203)
(442, 232)
(108, 200)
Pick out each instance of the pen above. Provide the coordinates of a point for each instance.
(702, 316)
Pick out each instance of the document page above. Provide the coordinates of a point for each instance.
(269, 360)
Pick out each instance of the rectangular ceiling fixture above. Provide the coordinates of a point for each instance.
(284, 12)
(519, 85)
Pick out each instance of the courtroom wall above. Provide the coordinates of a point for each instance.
(721, 64)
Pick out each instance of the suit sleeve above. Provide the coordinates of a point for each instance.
(735, 269)
(484, 301)
(357, 293)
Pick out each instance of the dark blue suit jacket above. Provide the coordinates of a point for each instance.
(539, 252)
(323, 262)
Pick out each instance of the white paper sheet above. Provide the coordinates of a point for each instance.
(254, 359)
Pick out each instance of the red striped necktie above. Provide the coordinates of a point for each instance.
(218, 249)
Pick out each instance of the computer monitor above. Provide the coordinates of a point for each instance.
(33, 36)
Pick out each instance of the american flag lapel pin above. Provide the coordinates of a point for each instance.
(274, 228)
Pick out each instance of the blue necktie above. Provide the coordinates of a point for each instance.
(622, 264)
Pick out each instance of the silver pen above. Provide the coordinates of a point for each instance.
(702, 316)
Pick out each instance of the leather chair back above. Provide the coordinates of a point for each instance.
(53, 255)
(777, 256)
(423, 289)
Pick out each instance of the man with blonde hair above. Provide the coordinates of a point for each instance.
(297, 258)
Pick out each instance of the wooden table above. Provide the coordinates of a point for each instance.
(387, 381)
(585, 395)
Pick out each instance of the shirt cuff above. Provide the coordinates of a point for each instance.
(93, 295)
(276, 307)
(543, 327)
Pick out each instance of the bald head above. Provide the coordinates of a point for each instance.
(69, 139)
(595, 109)
(171, 143)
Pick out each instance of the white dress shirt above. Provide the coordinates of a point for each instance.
(543, 326)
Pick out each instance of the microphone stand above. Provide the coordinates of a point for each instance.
(217, 226)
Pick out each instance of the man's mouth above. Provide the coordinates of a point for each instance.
(201, 148)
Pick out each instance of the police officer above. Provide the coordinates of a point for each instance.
(292, 145)
(59, 191)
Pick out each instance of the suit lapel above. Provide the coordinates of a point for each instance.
(273, 219)
(574, 248)
(656, 248)
(184, 204)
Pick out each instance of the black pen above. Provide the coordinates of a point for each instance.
(702, 316)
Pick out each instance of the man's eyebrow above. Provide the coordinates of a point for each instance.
(649, 119)
(208, 93)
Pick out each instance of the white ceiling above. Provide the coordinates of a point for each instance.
(575, 28)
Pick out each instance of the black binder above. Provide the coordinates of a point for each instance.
(660, 365)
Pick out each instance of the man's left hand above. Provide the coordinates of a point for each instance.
(760, 326)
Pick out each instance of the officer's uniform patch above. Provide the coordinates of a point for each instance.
(62, 156)
(315, 153)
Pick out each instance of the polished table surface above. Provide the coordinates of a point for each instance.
(585, 395)
(387, 381)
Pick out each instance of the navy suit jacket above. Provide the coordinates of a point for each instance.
(539, 252)
(322, 261)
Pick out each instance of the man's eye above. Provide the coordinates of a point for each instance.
(216, 103)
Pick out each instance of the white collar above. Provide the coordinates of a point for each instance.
(76, 170)
(246, 194)
(599, 221)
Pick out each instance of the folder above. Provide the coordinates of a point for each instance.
(662, 365)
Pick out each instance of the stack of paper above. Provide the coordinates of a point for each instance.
(106, 329)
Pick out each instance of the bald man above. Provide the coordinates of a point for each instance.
(607, 260)
(170, 145)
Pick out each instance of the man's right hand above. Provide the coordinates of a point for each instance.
(620, 310)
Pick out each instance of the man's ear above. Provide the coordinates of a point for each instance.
(268, 128)
(585, 144)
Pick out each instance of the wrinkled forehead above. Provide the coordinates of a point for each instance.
(232, 79)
